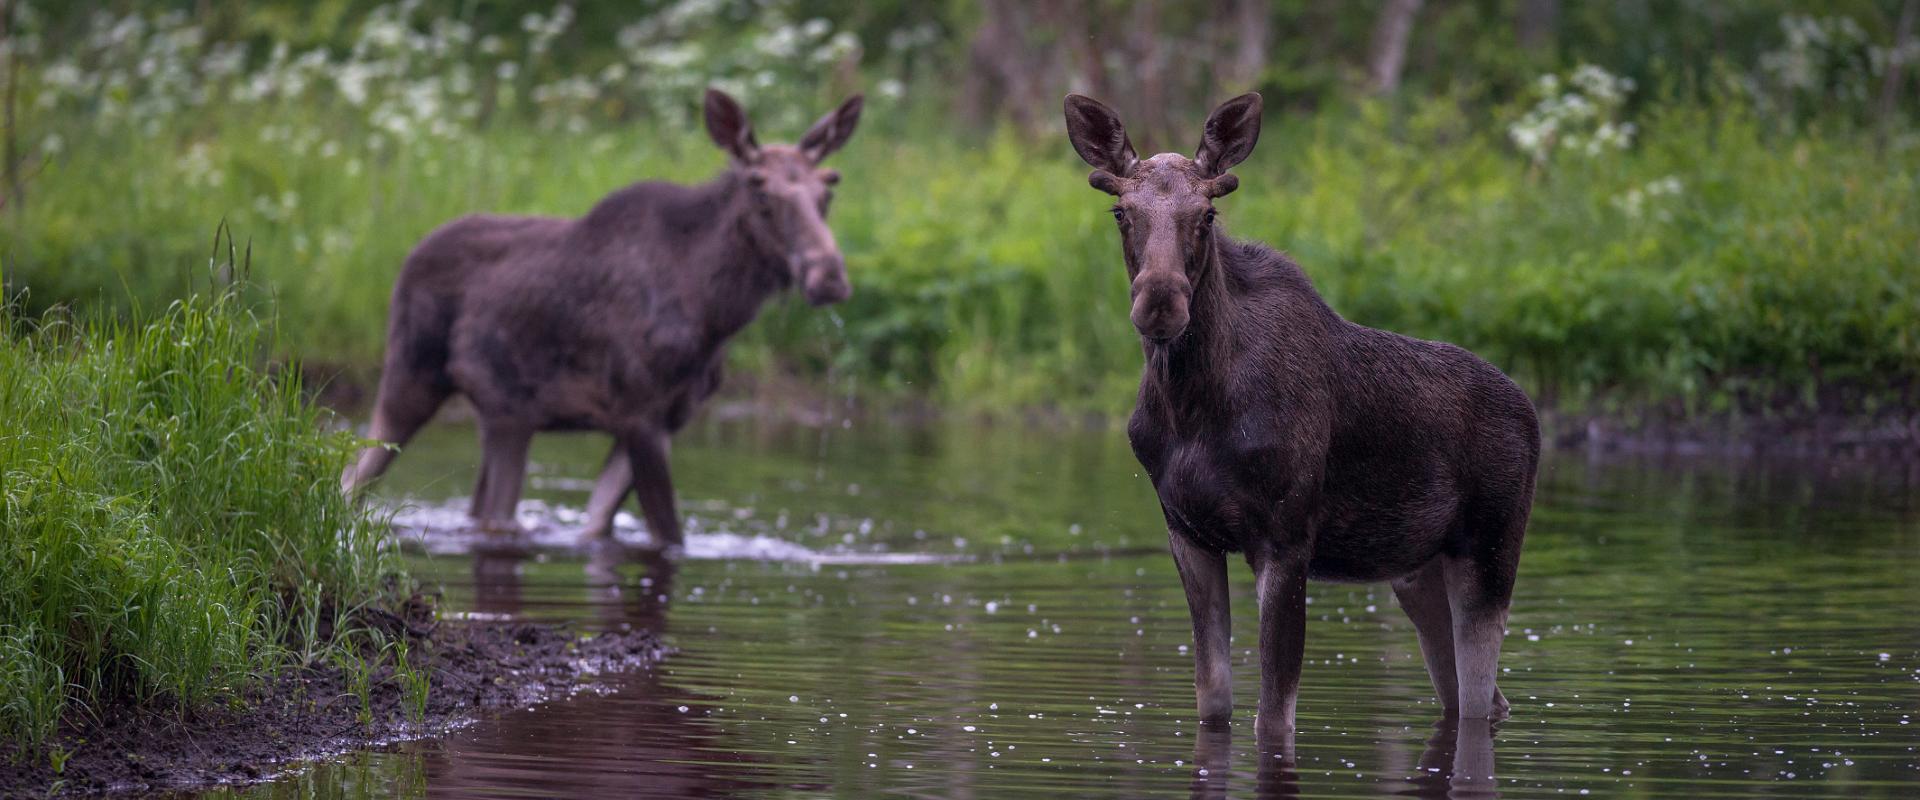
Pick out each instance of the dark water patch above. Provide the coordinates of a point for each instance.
(1707, 629)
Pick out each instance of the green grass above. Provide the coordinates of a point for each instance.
(987, 275)
(165, 506)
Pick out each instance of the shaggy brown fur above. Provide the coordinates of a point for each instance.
(1318, 448)
(616, 321)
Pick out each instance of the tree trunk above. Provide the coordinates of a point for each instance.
(1244, 41)
(1389, 50)
(16, 192)
(1534, 24)
(1149, 118)
(997, 61)
(1019, 57)
(1897, 59)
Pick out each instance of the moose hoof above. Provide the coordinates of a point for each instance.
(1273, 733)
(1501, 708)
(1218, 711)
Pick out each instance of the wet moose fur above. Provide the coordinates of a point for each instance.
(1318, 448)
(615, 321)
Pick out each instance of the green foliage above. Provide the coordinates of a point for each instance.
(1708, 235)
(416, 681)
(161, 500)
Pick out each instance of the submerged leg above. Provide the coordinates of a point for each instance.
(503, 472)
(1204, 576)
(1423, 595)
(1479, 624)
(1479, 591)
(616, 479)
(477, 506)
(647, 454)
(1281, 586)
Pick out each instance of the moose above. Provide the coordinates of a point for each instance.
(616, 321)
(1271, 426)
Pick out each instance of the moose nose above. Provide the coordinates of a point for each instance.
(826, 280)
(1160, 305)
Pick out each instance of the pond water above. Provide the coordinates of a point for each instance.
(968, 611)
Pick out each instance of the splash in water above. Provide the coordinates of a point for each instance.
(444, 528)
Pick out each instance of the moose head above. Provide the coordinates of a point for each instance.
(789, 192)
(1164, 205)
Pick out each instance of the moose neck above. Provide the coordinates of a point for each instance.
(746, 271)
(1192, 369)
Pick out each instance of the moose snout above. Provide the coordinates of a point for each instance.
(824, 279)
(1160, 304)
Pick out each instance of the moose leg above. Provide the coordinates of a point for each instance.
(1423, 595)
(477, 507)
(616, 479)
(647, 454)
(503, 472)
(1204, 576)
(1479, 590)
(1479, 606)
(406, 402)
(1280, 582)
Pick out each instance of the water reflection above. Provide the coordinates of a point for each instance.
(641, 746)
(1458, 761)
(1679, 629)
(1275, 767)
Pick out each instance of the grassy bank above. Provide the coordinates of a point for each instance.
(173, 528)
(1717, 240)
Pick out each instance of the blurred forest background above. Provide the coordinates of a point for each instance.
(1672, 209)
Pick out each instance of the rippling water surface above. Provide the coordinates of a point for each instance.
(968, 611)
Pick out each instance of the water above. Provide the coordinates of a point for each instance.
(968, 611)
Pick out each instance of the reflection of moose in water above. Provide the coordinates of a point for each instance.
(637, 742)
(1457, 762)
(1271, 426)
(616, 321)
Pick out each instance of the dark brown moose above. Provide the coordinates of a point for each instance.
(1270, 426)
(616, 321)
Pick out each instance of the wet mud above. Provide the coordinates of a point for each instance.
(476, 668)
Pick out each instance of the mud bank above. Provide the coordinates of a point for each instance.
(305, 714)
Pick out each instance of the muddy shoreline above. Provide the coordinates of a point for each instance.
(476, 668)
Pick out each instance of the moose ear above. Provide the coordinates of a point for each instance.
(832, 131)
(727, 124)
(1232, 129)
(1097, 135)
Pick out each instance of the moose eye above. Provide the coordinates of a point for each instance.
(1119, 214)
(1210, 215)
(756, 180)
(830, 177)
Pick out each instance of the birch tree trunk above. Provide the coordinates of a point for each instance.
(1389, 50)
